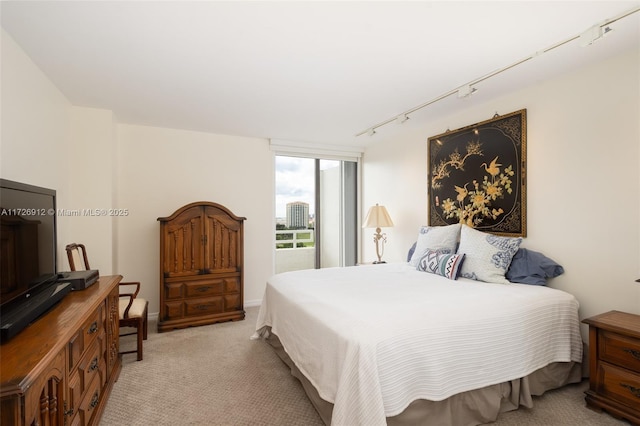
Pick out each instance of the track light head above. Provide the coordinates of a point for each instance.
(594, 34)
(402, 118)
(371, 132)
(466, 91)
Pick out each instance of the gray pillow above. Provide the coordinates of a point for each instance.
(532, 267)
(441, 238)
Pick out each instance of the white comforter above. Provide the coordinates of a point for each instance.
(374, 338)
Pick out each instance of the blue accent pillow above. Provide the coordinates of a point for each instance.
(411, 250)
(439, 263)
(532, 267)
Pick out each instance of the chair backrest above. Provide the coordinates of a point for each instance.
(77, 255)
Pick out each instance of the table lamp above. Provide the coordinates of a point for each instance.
(378, 217)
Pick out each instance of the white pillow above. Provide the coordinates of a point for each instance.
(487, 256)
(438, 238)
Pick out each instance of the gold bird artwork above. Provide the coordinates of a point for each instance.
(493, 168)
(462, 192)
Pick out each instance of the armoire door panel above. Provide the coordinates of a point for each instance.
(221, 254)
(183, 248)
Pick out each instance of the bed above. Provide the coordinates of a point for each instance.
(389, 344)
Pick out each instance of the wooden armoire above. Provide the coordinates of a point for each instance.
(201, 266)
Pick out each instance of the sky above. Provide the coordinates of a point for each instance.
(295, 181)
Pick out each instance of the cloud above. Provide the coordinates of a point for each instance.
(294, 182)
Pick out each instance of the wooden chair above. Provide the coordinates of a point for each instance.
(133, 309)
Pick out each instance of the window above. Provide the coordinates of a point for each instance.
(316, 212)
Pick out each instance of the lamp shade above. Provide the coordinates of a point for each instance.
(377, 217)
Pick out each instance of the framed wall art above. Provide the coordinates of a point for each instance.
(477, 175)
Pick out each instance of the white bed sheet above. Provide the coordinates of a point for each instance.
(374, 338)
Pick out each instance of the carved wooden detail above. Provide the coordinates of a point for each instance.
(201, 266)
(60, 370)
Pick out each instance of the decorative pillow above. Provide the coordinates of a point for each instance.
(488, 256)
(411, 250)
(445, 264)
(441, 238)
(532, 267)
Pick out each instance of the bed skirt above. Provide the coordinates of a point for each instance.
(464, 409)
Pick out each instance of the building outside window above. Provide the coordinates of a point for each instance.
(298, 215)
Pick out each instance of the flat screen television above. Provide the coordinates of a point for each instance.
(28, 254)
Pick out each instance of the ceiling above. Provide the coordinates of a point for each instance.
(299, 70)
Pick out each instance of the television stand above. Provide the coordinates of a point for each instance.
(61, 369)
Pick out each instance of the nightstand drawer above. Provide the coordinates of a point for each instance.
(620, 385)
(620, 350)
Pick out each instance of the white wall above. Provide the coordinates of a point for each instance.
(45, 141)
(161, 170)
(92, 142)
(583, 143)
(35, 129)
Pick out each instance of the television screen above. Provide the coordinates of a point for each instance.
(27, 237)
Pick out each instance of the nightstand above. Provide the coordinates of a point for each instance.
(614, 365)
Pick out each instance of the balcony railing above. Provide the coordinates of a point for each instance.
(296, 251)
(294, 238)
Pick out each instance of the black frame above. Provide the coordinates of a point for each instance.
(477, 175)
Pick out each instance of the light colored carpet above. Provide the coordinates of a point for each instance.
(216, 375)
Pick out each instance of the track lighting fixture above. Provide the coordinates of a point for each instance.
(593, 34)
(402, 118)
(466, 91)
(588, 37)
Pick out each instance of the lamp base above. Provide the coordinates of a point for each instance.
(375, 262)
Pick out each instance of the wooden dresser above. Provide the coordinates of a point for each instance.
(201, 266)
(60, 369)
(614, 364)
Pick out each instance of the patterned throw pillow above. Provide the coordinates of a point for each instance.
(441, 238)
(445, 264)
(487, 256)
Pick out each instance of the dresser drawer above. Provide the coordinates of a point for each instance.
(211, 305)
(176, 290)
(620, 385)
(85, 336)
(87, 407)
(91, 367)
(204, 288)
(619, 350)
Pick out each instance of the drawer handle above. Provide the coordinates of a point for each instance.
(93, 328)
(203, 307)
(633, 352)
(94, 400)
(94, 364)
(203, 289)
(634, 390)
